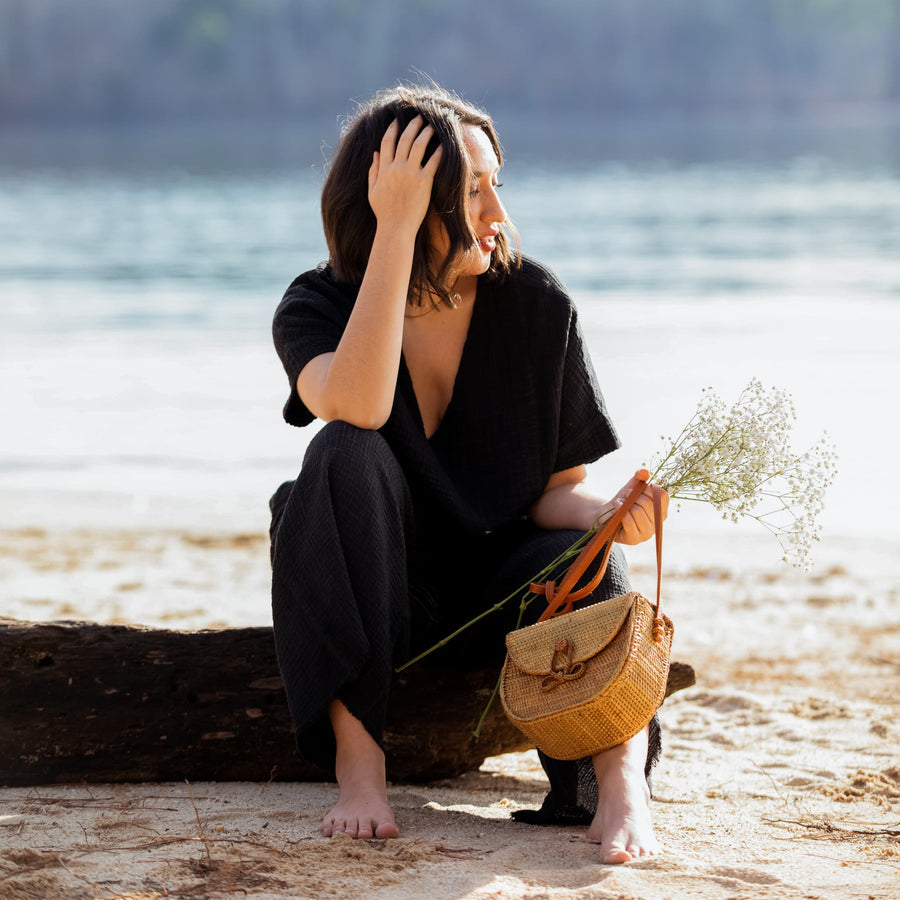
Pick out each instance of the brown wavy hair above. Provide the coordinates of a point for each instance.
(348, 218)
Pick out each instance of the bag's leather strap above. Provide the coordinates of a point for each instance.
(656, 491)
(560, 600)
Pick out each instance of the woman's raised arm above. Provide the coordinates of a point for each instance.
(356, 382)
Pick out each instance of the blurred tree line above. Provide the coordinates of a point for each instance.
(121, 61)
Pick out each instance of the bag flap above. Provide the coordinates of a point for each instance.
(588, 630)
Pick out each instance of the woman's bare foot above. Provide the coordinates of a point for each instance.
(622, 825)
(362, 810)
(360, 813)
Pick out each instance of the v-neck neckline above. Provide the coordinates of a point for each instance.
(466, 350)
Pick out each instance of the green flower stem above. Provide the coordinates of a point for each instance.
(446, 640)
(477, 732)
(523, 605)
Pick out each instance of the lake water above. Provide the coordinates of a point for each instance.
(138, 279)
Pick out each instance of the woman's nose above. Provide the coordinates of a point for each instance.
(492, 209)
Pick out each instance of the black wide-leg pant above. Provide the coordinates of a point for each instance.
(357, 589)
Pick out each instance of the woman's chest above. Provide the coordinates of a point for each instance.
(433, 349)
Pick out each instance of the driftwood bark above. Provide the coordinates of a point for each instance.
(81, 702)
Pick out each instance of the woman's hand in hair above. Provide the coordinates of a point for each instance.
(399, 184)
(356, 382)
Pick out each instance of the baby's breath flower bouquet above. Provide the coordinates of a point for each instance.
(738, 459)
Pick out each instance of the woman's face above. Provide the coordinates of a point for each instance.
(486, 212)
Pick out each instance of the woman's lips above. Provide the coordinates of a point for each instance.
(488, 243)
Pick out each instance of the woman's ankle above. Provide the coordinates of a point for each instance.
(362, 809)
(628, 757)
(359, 759)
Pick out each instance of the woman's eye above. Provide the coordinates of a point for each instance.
(475, 190)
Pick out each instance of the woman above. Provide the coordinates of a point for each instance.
(461, 410)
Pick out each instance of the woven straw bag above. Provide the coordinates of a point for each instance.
(588, 680)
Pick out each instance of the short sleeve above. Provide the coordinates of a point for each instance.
(309, 321)
(585, 430)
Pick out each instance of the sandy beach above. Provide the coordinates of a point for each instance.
(780, 776)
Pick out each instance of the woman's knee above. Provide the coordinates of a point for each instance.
(277, 503)
(347, 446)
(352, 463)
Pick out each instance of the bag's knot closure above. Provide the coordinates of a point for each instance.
(562, 669)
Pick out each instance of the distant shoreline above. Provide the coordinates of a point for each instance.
(304, 141)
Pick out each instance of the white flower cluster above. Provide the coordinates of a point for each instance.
(740, 460)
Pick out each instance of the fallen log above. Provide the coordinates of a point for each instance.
(81, 702)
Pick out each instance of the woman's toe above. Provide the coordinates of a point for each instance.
(387, 830)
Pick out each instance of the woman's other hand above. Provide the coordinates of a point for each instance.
(638, 525)
(399, 184)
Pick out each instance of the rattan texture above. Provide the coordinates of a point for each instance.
(621, 685)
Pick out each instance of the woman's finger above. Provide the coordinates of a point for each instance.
(643, 520)
(389, 142)
(629, 533)
(406, 139)
(625, 491)
(373, 170)
(433, 161)
(420, 144)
